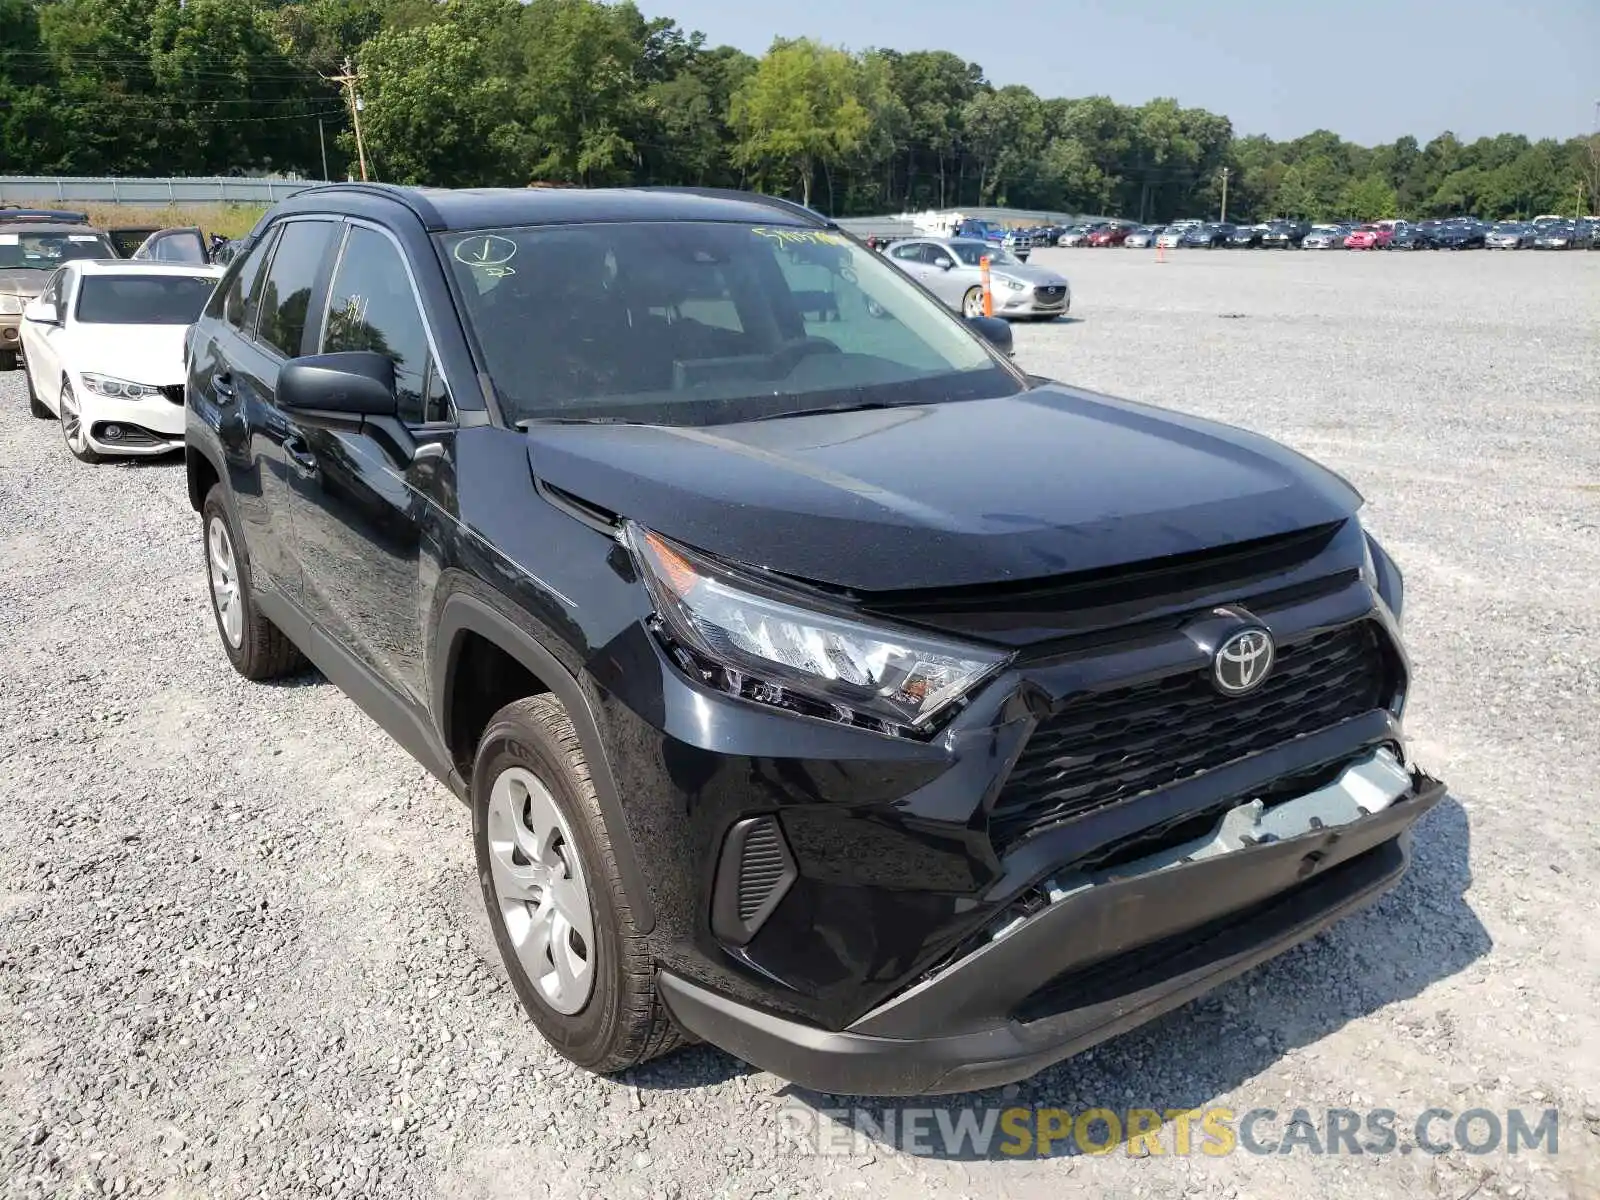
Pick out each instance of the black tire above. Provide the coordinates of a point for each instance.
(263, 651)
(71, 424)
(9, 361)
(622, 1023)
(36, 406)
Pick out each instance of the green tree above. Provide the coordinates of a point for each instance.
(227, 91)
(31, 117)
(932, 87)
(1006, 130)
(1370, 198)
(800, 109)
(434, 112)
(580, 66)
(1295, 198)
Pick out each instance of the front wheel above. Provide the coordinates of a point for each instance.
(554, 894)
(74, 428)
(36, 406)
(972, 302)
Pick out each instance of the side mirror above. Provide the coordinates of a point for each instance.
(352, 391)
(993, 330)
(41, 313)
(355, 383)
(943, 263)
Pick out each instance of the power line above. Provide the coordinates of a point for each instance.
(180, 101)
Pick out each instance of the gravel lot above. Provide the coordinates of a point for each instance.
(240, 944)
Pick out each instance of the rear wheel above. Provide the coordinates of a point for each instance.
(255, 646)
(73, 427)
(554, 895)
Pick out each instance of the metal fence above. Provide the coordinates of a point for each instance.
(37, 189)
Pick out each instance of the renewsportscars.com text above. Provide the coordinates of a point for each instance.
(1140, 1132)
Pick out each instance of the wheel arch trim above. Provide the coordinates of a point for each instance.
(462, 614)
(194, 450)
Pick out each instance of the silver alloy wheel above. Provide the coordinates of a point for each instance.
(972, 305)
(540, 887)
(72, 422)
(223, 569)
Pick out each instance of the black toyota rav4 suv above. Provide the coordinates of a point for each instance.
(821, 685)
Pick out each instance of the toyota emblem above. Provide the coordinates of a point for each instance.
(1243, 662)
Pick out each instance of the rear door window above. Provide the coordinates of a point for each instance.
(297, 264)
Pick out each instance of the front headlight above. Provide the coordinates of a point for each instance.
(118, 389)
(1015, 286)
(763, 649)
(11, 306)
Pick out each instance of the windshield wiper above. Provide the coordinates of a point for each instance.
(849, 406)
(529, 422)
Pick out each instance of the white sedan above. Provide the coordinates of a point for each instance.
(102, 347)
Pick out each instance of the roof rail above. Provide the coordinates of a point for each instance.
(411, 198)
(792, 207)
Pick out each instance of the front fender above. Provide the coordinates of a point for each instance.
(464, 613)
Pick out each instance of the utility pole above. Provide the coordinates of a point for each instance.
(1594, 163)
(1224, 218)
(322, 141)
(348, 81)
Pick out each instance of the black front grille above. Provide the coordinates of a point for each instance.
(174, 393)
(1051, 294)
(1112, 746)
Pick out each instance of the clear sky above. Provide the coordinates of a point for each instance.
(1370, 70)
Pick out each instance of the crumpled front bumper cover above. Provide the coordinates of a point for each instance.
(1101, 959)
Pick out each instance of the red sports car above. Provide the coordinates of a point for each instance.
(1369, 237)
(1111, 235)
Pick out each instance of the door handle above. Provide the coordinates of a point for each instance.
(300, 456)
(222, 385)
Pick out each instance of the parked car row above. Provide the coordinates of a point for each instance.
(1453, 233)
(95, 319)
(35, 242)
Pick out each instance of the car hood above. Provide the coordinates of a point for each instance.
(1052, 481)
(23, 283)
(150, 354)
(1030, 275)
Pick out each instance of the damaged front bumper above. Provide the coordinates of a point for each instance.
(1109, 951)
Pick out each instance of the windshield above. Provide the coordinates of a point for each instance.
(48, 249)
(972, 253)
(697, 323)
(142, 299)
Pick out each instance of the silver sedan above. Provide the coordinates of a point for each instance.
(950, 269)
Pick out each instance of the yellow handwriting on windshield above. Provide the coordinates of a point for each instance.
(800, 237)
